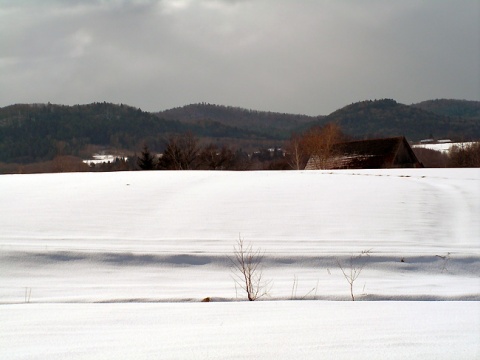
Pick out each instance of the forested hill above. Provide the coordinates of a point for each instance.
(455, 108)
(39, 132)
(382, 118)
(279, 125)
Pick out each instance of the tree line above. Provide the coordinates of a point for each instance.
(462, 155)
(41, 132)
(186, 151)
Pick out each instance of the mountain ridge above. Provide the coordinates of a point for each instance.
(38, 132)
(386, 117)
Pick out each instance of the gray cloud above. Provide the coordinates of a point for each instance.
(303, 57)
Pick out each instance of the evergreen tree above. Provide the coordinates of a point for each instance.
(146, 161)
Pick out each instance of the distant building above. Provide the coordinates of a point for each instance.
(368, 154)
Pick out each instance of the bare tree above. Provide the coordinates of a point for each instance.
(319, 143)
(316, 143)
(212, 157)
(248, 272)
(296, 153)
(180, 153)
(356, 265)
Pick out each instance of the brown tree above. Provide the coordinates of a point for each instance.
(316, 143)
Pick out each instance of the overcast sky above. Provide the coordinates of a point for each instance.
(299, 56)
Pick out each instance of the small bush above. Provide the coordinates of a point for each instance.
(248, 272)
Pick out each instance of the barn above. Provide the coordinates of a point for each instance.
(367, 154)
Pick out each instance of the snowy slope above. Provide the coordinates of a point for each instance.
(399, 209)
(260, 330)
(152, 235)
(88, 254)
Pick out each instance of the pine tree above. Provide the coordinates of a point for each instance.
(146, 160)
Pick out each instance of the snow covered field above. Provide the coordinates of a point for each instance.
(442, 146)
(114, 265)
(103, 159)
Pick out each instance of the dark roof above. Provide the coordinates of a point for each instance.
(378, 147)
(371, 154)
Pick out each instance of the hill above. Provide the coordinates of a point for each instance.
(277, 125)
(449, 107)
(38, 132)
(386, 117)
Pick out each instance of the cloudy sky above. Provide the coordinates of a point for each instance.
(296, 56)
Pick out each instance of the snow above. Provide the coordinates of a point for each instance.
(260, 330)
(114, 265)
(101, 159)
(442, 146)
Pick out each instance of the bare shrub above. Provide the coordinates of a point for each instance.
(295, 287)
(247, 270)
(355, 268)
(445, 259)
(28, 294)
